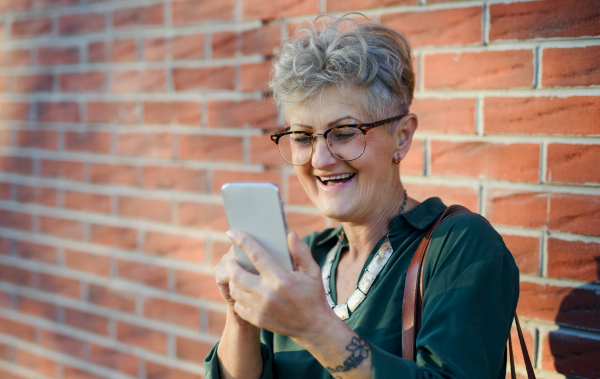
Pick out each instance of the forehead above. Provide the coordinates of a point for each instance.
(333, 104)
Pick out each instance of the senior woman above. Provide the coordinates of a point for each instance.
(345, 92)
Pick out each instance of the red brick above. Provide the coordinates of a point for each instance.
(216, 323)
(83, 82)
(36, 195)
(62, 228)
(75, 373)
(38, 308)
(571, 354)
(264, 40)
(14, 5)
(5, 302)
(572, 163)
(188, 47)
(211, 148)
(51, 56)
(563, 305)
(526, 252)
(264, 151)
(575, 213)
(40, 139)
(157, 49)
(16, 329)
(16, 165)
(254, 9)
(438, 27)
(482, 70)
(36, 363)
(89, 263)
(141, 337)
(111, 298)
(114, 174)
(257, 113)
(36, 252)
(58, 112)
(5, 191)
(256, 76)
(151, 145)
(304, 224)
(154, 276)
(349, 5)
(217, 251)
(62, 343)
(296, 193)
(221, 177)
(544, 19)
(175, 178)
(175, 247)
(114, 359)
(118, 113)
(87, 321)
(182, 112)
(139, 81)
(159, 371)
(81, 23)
(158, 210)
(445, 115)
(14, 111)
(224, 44)
(62, 169)
(15, 275)
(11, 375)
(124, 238)
(204, 78)
(33, 27)
(414, 162)
(528, 336)
(466, 196)
(170, 312)
(577, 260)
(46, 4)
(117, 51)
(139, 16)
(186, 12)
(192, 350)
(15, 220)
(203, 216)
(32, 83)
(518, 208)
(515, 162)
(93, 142)
(15, 58)
(59, 285)
(571, 67)
(197, 285)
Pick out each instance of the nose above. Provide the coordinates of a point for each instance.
(322, 157)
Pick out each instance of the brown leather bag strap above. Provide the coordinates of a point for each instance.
(413, 298)
(413, 291)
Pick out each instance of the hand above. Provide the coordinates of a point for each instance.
(287, 303)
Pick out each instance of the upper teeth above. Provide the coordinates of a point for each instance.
(343, 176)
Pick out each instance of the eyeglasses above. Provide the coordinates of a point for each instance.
(345, 142)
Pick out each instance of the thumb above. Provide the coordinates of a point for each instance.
(301, 255)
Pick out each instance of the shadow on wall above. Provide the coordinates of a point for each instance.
(573, 353)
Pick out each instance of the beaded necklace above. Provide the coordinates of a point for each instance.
(366, 281)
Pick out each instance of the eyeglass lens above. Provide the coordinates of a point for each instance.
(344, 143)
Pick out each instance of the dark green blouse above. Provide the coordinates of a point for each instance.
(471, 287)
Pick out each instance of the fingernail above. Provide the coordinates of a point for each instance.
(231, 234)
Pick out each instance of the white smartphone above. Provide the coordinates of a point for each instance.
(256, 209)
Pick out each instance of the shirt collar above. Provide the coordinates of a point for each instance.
(420, 217)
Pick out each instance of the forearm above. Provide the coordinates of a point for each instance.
(239, 349)
(341, 351)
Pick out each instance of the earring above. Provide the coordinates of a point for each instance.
(396, 159)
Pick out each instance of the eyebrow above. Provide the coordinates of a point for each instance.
(330, 124)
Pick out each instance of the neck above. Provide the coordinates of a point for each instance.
(362, 237)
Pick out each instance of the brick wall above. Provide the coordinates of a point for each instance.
(120, 120)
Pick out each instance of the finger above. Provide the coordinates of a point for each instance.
(242, 279)
(301, 254)
(260, 258)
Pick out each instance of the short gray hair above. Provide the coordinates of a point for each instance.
(346, 53)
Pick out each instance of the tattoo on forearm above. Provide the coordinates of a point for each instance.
(359, 351)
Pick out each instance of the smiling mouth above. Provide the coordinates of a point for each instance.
(335, 180)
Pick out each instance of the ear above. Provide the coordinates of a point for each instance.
(404, 134)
